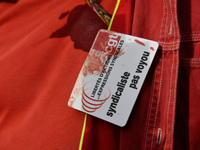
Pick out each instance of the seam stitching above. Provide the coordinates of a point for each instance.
(160, 85)
(169, 101)
(153, 91)
(174, 103)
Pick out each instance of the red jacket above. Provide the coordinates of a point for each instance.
(43, 45)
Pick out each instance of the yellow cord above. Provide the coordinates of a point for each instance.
(83, 132)
(115, 10)
(85, 119)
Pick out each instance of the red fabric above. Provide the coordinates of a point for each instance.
(43, 45)
(166, 113)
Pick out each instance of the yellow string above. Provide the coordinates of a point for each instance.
(83, 131)
(115, 10)
(85, 119)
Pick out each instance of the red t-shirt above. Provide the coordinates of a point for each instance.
(43, 45)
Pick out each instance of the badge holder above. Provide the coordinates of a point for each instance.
(112, 76)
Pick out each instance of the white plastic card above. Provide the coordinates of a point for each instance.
(112, 76)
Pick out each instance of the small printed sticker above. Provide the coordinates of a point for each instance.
(112, 76)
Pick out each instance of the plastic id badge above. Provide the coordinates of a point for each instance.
(112, 76)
